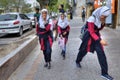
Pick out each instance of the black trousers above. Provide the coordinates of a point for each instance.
(101, 57)
(47, 52)
(83, 19)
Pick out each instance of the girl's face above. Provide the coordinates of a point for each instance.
(103, 18)
(62, 17)
(44, 15)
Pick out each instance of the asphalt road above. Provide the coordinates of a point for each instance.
(6, 39)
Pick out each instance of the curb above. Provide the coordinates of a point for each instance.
(10, 63)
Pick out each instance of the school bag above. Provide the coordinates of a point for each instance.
(84, 29)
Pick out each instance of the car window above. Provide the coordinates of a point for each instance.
(7, 17)
(23, 16)
(26, 17)
(30, 15)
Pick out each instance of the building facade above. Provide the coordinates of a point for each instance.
(113, 18)
(118, 20)
(89, 7)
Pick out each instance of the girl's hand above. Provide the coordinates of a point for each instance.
(103, 42)
(103, 23)
(64, 33)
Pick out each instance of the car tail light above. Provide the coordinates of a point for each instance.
(16, 22)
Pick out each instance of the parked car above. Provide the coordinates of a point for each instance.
(31, 16)
(11, 23)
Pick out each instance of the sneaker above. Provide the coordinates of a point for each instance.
(63, 56)
(78, 65)
(107, 77)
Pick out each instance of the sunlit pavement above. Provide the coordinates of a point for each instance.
(33, 66)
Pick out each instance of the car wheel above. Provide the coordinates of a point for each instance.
(20, 32)
(33, 26)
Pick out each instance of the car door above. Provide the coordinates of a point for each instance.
(25, 21)
(28, 22)
(22, 21)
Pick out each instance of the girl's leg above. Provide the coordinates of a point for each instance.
(102, 58)
(45, 58)
(48, 55)
(80, 55)
(103, 62)
(64, 52)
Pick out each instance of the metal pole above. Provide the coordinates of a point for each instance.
(118, 14)
(114, 16)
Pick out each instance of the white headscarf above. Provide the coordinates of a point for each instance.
(105, 11)
(41, 21)
(63, 23)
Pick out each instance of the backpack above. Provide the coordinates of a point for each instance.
(84, 29)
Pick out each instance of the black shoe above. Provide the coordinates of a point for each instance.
(49, 65)
(63, 56)
(46, 65)
(107, 77)
(78, 65)
(61, 53)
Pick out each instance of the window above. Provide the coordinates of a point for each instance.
(23, 16)
(7, 17)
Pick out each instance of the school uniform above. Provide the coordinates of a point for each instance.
(62, 30)
(45, 38)
(91, 44)
(63, 26)
(91, 40)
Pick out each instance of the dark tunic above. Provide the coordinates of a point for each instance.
(45, 35)
(61, 31)
(91, 37)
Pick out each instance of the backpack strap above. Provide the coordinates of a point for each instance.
(94, 17)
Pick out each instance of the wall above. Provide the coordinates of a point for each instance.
(89, 7)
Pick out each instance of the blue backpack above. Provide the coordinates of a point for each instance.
(83, 31)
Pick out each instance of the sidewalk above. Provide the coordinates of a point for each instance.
(33, 67)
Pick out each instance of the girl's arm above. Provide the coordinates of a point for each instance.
(92, 31)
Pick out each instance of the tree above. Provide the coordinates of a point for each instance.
(5, 4)
(40, 2)
(26, 8)
(14, 5)
(53, 5)
(65, 3)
